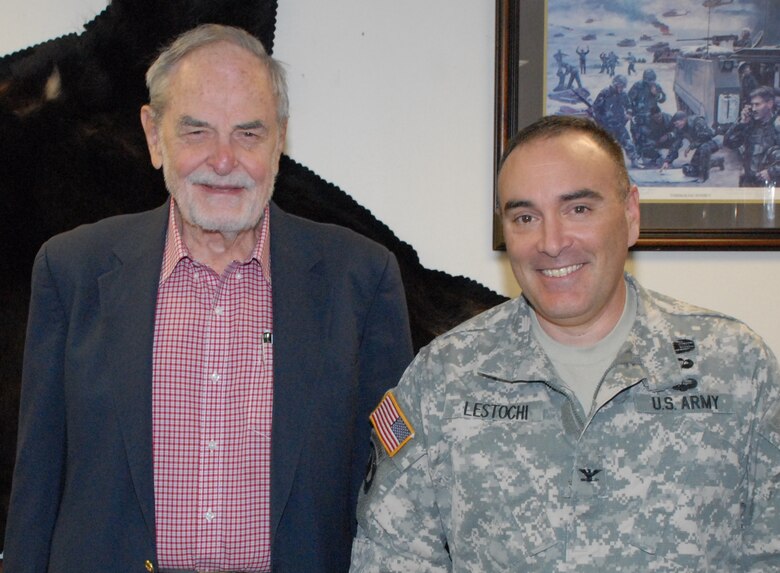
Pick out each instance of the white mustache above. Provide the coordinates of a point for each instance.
(239, 180)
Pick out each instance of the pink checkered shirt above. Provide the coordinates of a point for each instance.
(212, 389)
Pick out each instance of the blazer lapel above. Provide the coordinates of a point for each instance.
(128, 296)
(301, 317)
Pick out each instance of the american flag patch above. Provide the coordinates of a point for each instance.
(392, 427)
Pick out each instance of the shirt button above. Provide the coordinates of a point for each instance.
(216, 377)
(209, 515)
(218, 310)
(212, 445)
(239, 276)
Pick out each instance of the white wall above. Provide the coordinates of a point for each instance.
(393, 102)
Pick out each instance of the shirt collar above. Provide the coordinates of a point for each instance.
(175, 250)
(649, 344)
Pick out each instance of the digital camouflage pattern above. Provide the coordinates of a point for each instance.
(677, 468)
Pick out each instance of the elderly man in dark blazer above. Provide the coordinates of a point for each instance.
(198, 378)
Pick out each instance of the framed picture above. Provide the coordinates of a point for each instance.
(703, 148)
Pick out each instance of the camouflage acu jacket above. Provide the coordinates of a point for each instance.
(676, 468)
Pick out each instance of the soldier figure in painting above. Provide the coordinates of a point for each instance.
(700, 138)
(583, 54)
(612, 62)
(645, 95)
(748, 83)
(604, 63)
(659, 135)
(631, 59)
(757, 136)
(611, 110)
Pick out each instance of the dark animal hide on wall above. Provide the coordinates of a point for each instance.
(72, 152)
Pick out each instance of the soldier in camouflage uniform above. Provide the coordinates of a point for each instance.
(700, 138)
(747, 83)
(588, 426)
(583, 55)
(757, 136)
(611, 110)
(645, 96)
(660, 135)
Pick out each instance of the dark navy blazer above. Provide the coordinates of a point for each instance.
(83, 493)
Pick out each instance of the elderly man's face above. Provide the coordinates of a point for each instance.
(218, 140)
(568, 228)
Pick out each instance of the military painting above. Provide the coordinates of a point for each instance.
(690, 89)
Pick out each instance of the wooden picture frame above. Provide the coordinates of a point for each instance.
(687, 215)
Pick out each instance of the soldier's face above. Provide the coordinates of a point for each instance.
(568, 228)
(761, 108)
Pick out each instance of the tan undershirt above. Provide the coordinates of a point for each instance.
(581, 369)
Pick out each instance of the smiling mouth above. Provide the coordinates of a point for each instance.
(231, 183)
(561, 272)
(222, 189)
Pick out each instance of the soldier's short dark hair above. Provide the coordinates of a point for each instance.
(764, 92)
(554, 125)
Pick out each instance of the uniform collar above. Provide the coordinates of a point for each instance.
(648, 354)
